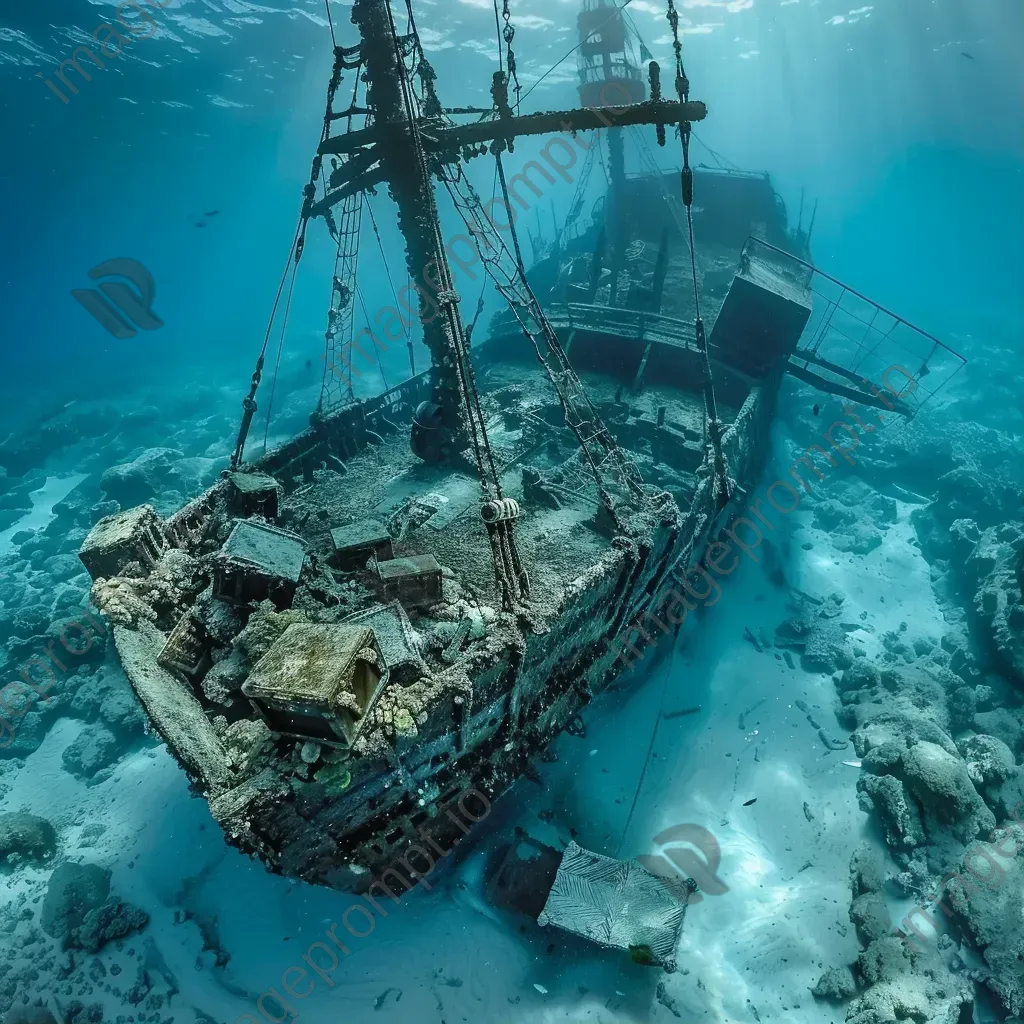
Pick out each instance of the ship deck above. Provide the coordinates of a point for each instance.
(435, 510)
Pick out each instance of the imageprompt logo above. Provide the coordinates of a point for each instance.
(698, 860)
(120, 306)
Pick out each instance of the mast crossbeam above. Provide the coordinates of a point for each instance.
(446, 141)
(445, 144)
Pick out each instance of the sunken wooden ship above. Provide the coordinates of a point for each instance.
(414, 596)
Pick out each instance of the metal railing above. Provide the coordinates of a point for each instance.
(862, 339)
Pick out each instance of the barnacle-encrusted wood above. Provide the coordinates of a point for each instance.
(356, 543)
(254, 494)
(259, 561)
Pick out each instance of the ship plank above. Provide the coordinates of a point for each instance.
(178, 716)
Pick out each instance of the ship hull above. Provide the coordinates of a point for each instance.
(525, 686)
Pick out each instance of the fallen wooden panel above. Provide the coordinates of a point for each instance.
(617, 904)
(175, 713)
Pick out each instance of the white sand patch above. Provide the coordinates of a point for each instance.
(56, 489)
(758, 946)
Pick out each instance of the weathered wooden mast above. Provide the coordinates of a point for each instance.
(395, 150)
(389, 95)
(607, 75)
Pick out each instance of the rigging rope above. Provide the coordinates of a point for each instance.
(723, 485)
(249, 402)
(423, 67)
(508, 34)
(391, 284)
(295, 249)
(447, 295)
(330, 21)
(562, 60)
(515, 289)
(650, 750)
(497, 33)
(280, 349)
(579, 196)
(471, 327)
(647, 158)
(498, 513)
(340, 313)
(366, 317)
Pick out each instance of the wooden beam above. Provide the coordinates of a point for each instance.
(585, 119)
(851, 394)
(445, 141)
(349, 141)
(368, 180)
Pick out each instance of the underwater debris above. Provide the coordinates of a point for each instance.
(661, 994)
(616, 904)
(669, 715)
(384, 998)
(748, 636)
(744, 714)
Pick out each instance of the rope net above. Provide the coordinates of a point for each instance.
(336, 387)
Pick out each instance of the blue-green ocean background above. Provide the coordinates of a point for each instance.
(903, 119)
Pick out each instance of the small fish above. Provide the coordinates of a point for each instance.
(852, 764)
(211, 213)
(964, 53)
(747, 803)
(816, 410)
(200, 223)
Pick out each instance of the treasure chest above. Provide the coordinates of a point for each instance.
(319, 681)
(415, 581)
(188, 649)
(259, 562)
(356, 543)
(136, 535)
(253, 494)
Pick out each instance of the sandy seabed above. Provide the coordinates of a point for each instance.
(751, 953)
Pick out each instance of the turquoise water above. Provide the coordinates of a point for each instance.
(912, 150)
(900, 124)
